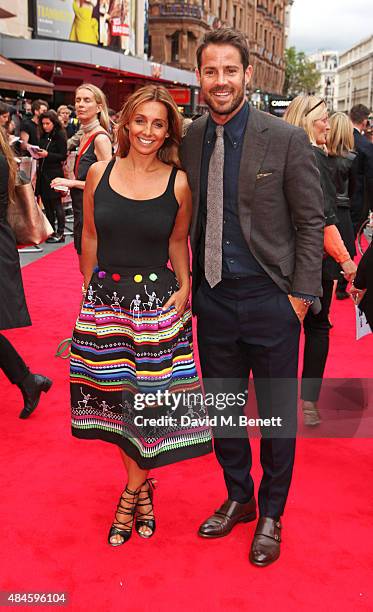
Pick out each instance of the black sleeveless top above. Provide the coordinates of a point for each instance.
(87, 159)
(133, 233)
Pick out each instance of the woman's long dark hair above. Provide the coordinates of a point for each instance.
(8, 154)
(53, 117)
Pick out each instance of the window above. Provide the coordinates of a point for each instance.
(175, 47)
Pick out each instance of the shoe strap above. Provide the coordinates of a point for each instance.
(126, 507)
(146, 498)
(227, 509)
(269, 527)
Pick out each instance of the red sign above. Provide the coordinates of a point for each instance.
(118, 28)
(181, 95)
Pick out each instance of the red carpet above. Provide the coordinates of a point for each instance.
(59, 497)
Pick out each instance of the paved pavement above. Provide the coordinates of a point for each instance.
(31, 254)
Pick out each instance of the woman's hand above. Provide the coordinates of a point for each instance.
(357, 294)
(349, 268)
(42, 153)
(179, 300)
(62, 182)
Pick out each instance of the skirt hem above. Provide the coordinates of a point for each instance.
(163, 459)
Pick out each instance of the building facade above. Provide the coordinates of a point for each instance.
(14, 18)
(355, 76)
(288, 7)
(40, 35)
(326, 63)
(176, 29)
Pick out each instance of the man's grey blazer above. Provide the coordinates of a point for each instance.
(280, 201)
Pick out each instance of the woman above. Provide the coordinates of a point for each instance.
(133, 336)
(95, 145)
(342, 164)
(53, 154)
(85, 27)
(311, 114)
(13, 308)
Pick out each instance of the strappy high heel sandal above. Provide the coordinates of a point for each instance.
(145, 498)
(126, 507)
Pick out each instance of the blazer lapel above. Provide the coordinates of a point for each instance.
(195, 147)
(254, 147)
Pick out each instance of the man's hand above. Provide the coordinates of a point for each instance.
(299, 307)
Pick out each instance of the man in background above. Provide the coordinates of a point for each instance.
(29, 127)
(362, 198)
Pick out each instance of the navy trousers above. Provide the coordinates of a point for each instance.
(240, 330)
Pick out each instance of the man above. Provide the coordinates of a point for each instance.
(362, 197)
(256, 236)
(63, 114)
(29, 127)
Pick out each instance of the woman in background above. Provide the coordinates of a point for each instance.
(53, 154)
(13, 308)
(311, 114)
(342, 164)
(95, 145)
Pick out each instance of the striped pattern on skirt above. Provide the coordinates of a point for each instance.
(125, 350)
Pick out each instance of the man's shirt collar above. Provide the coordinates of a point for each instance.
(234, 128)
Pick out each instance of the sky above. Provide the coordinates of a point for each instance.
(330, 24)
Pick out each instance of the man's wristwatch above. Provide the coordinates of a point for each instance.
(306, 301)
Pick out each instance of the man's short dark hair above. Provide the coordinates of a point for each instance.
(359, 113)
(225, 36)
(35, 106)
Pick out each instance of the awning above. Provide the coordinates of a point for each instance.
(16, 78)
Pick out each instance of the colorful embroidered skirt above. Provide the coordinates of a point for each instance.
(133, 377)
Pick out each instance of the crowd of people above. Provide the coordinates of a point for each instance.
(273, 207)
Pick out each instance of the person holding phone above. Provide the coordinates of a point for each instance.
(52, 154)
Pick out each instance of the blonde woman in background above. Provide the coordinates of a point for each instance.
(95, 145)
(343, 166)
(311, 114)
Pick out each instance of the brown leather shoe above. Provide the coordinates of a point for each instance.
(265, 548)
(226, 517)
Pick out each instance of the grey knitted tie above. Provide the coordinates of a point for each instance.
(214, 221)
